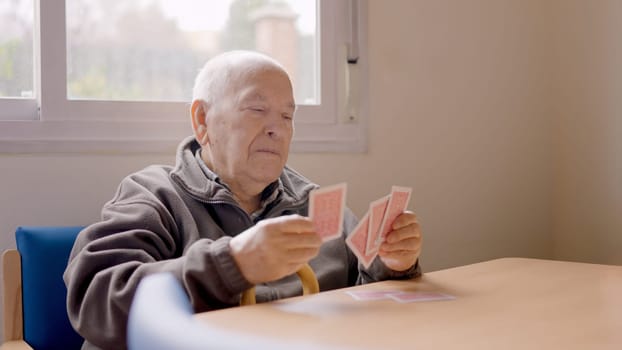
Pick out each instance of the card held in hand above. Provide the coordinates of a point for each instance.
(326, 207)
(377, 209)
(357, 240)
(400, 196)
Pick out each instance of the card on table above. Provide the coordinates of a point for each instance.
(399, 296)
(400, 196)
(326, 207)
(357, 240)
(377, 209)
(410, 297)
(372, 294)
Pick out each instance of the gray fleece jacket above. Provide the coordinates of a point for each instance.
(179, 220)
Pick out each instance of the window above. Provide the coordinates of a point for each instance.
(116, 75)
(16, 60)
(150, 50)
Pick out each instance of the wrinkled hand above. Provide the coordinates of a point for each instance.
(402, 246)
(275, 248)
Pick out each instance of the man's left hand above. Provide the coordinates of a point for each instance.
(402, 246)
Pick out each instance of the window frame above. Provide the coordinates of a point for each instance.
(52, 123)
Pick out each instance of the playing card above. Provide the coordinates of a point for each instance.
(377, 209)
(357, 240)
(410, 297)
(400, 196)
(372, 294)
(326, 206)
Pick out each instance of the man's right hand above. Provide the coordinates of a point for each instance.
(275, 248)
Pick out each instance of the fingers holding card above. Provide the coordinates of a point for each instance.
(400, 196)
(326, 211)
(366, 238)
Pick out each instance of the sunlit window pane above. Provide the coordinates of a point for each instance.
(16, 55)
(151, 50)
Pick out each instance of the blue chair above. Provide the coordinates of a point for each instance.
(161, 318)
(34, 299)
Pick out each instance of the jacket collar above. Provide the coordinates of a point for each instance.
(189, 175)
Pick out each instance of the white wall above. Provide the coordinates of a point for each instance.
(463, 109)
(460, 112)
(60, 189)
(588, 131)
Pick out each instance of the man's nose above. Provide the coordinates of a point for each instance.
(275, 128)
(274, 132)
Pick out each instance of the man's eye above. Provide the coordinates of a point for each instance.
(287, 117)
(257, 109)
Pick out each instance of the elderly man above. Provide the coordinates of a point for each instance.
(228, 216)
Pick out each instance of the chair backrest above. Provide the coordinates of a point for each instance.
(44, 254)
(161, 318)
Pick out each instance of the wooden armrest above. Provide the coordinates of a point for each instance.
(16, 345)
(12, 295)
(12, 302)
(307, 278)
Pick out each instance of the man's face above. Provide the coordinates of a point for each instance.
(251, 128)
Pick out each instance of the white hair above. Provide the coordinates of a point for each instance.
(225, 68)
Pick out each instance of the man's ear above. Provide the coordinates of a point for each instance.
(198, 112)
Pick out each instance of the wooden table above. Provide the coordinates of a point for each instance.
(509, 303)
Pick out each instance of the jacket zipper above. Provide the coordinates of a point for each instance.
(294, 207)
